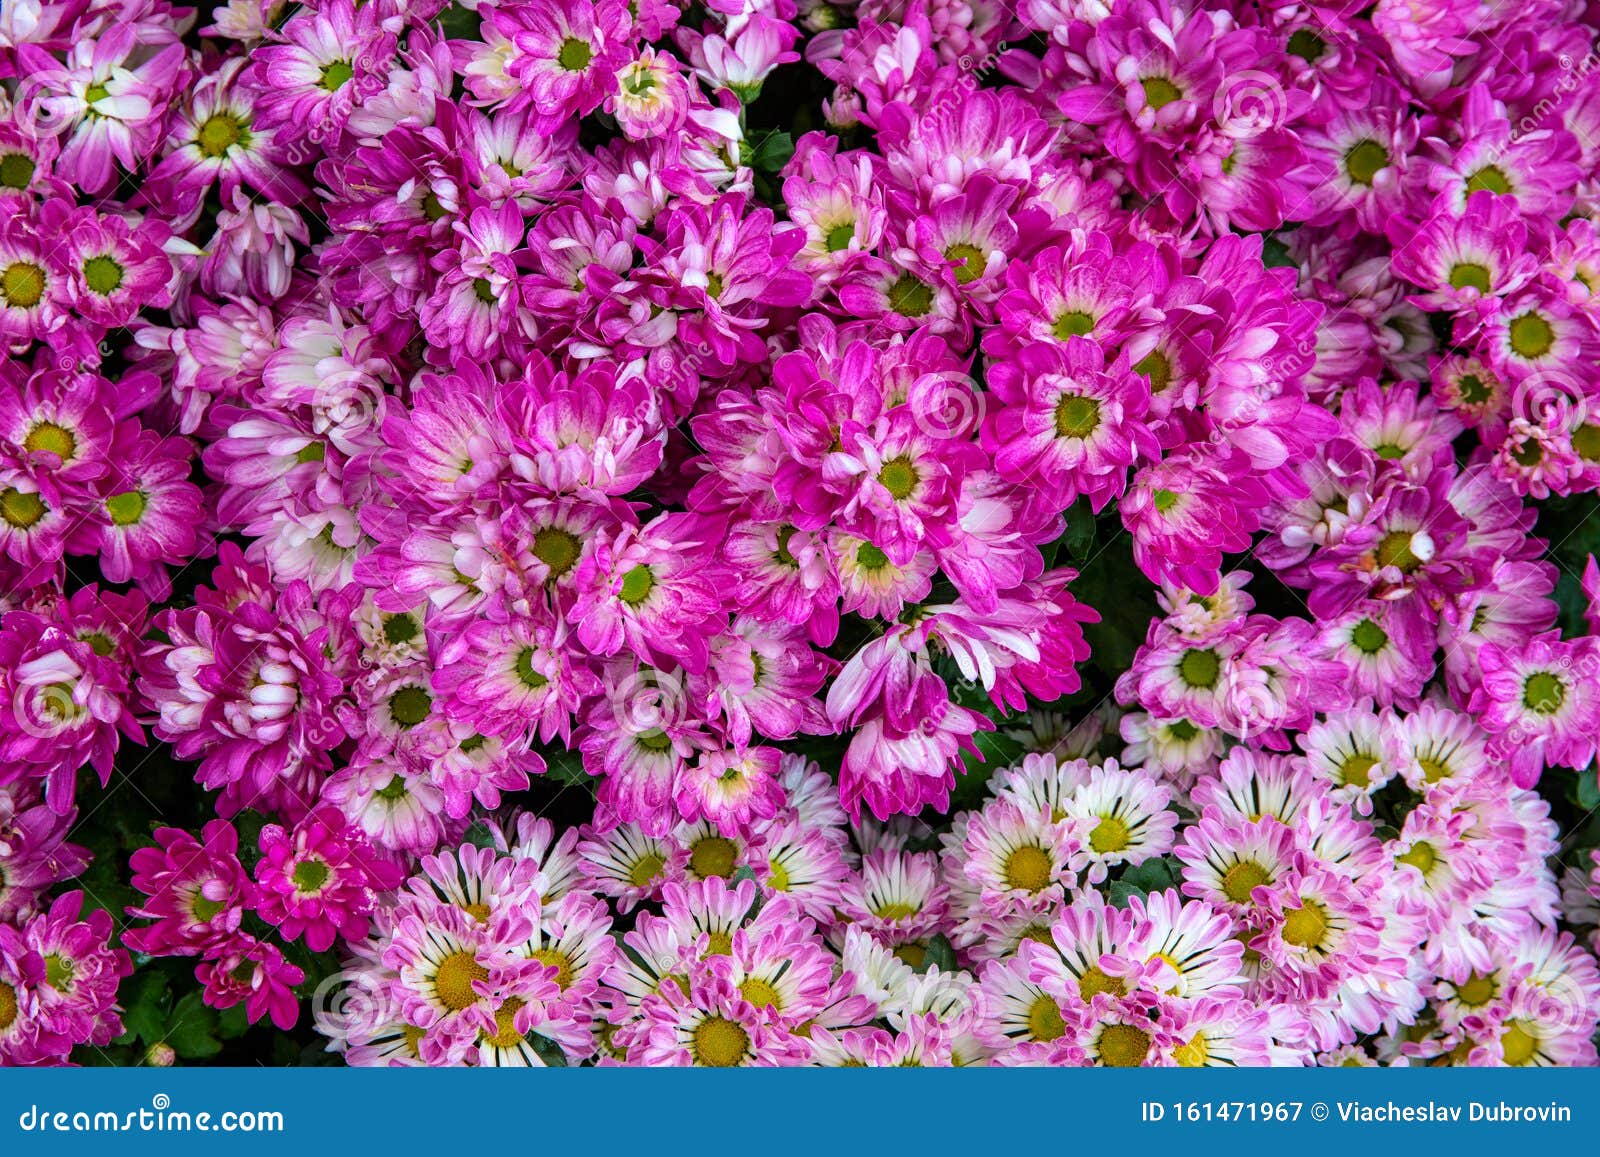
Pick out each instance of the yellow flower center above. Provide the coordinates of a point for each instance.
(21, 509)
(1028, 869)
(506, 1035)
(453, 982)
(1110, 835)
(1242, 879)
(560, 961)
(1305, 926)
(1044, 1020)
(22, 284)
(712, 856)
(719, 1043)
(1122, 1046)
(761, 994)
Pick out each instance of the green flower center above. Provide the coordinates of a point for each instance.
(910, 297)
(1155, 366)
(311, 875)
(1394, 549)
(1073, 323)
(1586, 441)
(575, 54)
(1422, 857)
(637, 585)
(1531, 336)
(1544, 692)
(1364, 161)
(1474, 390)
(1182, 730)
(1077, 417)
(840, 236)
(399, 629)
(58, 971)
(526, 675)
(969, 261)
(1490, 178)
(1200, 668)
(1369, 638)
(1307, 45)
(869, 557)
(16, 170)
(1159, 92)
(1470, 275)
(558, 549)
(410, 705)
(102, 275)
(219, 134)
(336, 75)
(126, 508)
(899, 477)
(1164, 500)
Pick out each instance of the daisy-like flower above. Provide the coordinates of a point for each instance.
(1122, 818)
(1357, 752)
(625, 864)
(1074, 424)
(1020, 859)
(1538, 704)
(565, 57)
(1457, 259)
(320, 881)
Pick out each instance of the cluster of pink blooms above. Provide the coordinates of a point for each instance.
(522, 409)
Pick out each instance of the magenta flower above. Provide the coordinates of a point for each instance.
(320, 881)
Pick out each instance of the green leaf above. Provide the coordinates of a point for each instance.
(1121, 892)
(772, 153)
(192, 1031)
(1589, 787)
(939, 954)
(1154, 875)
(566, 767)
(549, 1052)
(1078, 541)
(479, 835)
(146, 1006)
(232, 1022)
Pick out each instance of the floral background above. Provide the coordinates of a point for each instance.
(889, 532)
